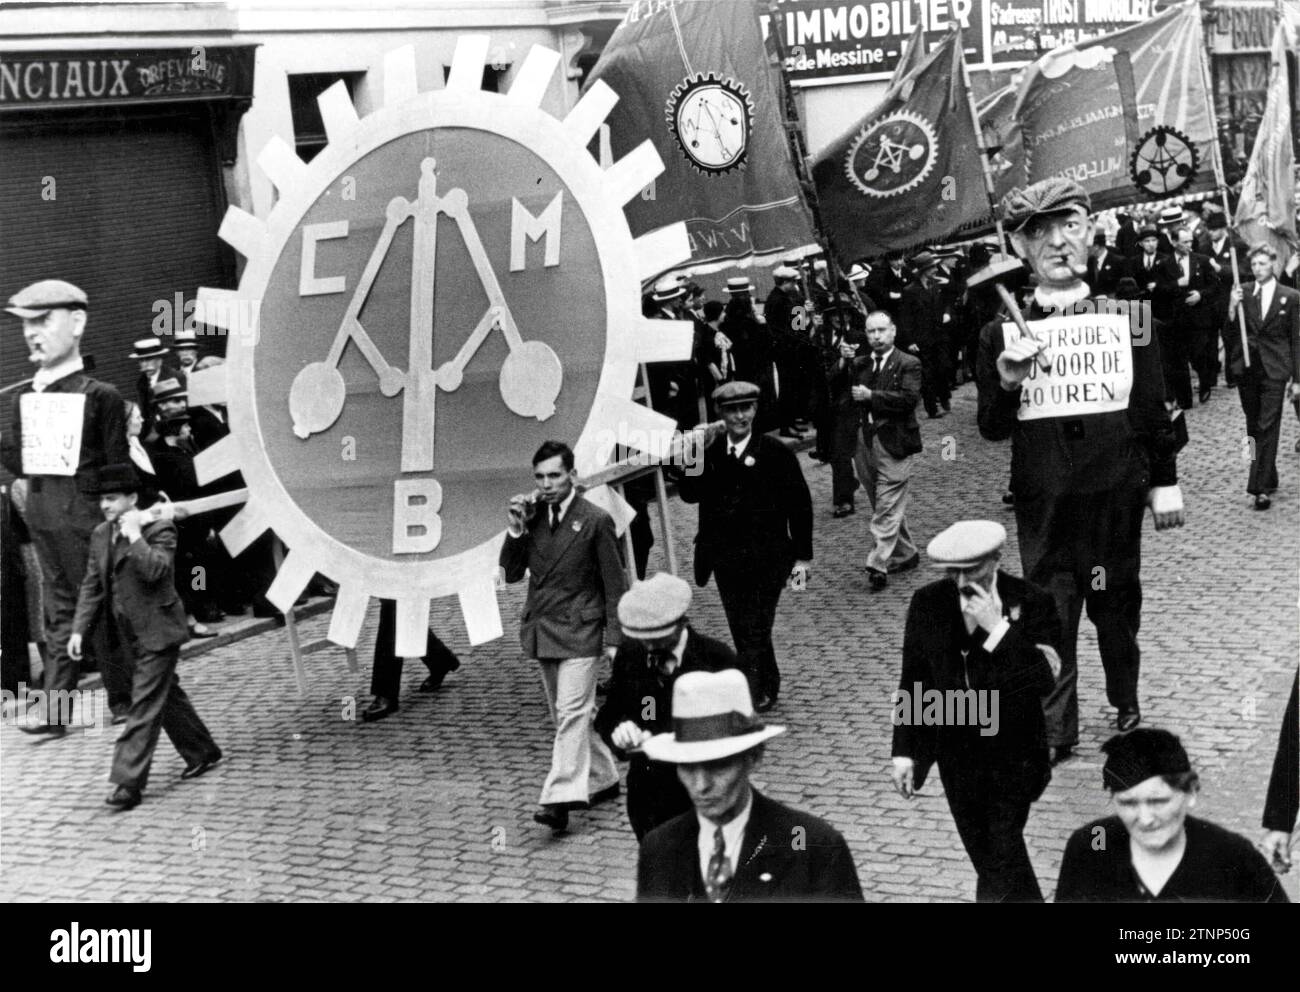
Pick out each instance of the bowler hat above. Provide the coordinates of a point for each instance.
(40, 298)
(713, 718)
(1217, 221)
(120, 478)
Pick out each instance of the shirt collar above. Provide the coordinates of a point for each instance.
(568, 501)
(739, 446)
(733, 835)
(1061, 298)
(46, 377)
(882, 358)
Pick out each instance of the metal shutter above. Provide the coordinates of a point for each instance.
(137, 205)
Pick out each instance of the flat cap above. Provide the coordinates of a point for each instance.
(739, 284)
(169, 389)
(148, 348)
(1046, 197)
(40, 298)
(1141, 754)
(651, 609)
(731, 393)
(784, 272)
(966, 543)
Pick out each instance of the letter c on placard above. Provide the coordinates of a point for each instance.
(309, 284)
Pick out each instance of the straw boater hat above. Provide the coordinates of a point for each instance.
(966, 543)
(185, 339)
(713, 718)
(739, 284)
(149, 348)
(652, 609)
(858, 274)
(668, 288)
(1171, 217)
(40, 298)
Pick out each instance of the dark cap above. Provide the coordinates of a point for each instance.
(40, 298)
(735, 393)
(1216, 221)
(116, 479)
(1047, 197)
(925, 260)
(1148, 232)
(1141, 754)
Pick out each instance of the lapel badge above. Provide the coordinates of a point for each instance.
(577, 526)
(749, 461)
(765, 877)
(1015, 612)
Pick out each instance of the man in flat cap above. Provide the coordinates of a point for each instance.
(64, 426)
(735, 845)
(755, 531)
(982, 643)
(1152, 850)
(1093, 445)
(659, 646)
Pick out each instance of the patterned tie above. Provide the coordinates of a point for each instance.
(719, 880)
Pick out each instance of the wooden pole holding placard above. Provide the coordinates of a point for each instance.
(661, 490)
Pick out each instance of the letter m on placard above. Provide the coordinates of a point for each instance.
(525, 227)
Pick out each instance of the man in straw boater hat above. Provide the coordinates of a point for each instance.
(736, 845)
(150, 354)
(1089, 452)
(659, 646)
(755, 531)
(979, 653)
(129, 579)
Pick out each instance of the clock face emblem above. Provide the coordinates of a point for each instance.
(712, 119)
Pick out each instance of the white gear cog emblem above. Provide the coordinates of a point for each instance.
(892, 155)
(471, 240)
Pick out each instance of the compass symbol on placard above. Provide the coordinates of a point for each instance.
(892, 155)
(1164, 161)
(711, 118)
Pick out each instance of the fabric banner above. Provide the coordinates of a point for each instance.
(908, 173)
(694, 77)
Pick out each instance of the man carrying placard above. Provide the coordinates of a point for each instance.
(1093, 444)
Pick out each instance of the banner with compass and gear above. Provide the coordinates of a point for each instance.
(694, 78)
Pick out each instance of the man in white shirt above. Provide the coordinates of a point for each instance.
(735, 845)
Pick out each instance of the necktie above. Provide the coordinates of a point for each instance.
(875, 368)
(733, 452)
(555, 516)
(719, 880)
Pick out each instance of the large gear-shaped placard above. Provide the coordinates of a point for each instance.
(449, 283)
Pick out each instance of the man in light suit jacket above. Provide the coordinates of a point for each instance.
(1273, 333)
(569, 548)
(985, 643)
(735, 845)
(888, 387)
(130, 571)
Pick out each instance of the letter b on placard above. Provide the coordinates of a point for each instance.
(417, 528)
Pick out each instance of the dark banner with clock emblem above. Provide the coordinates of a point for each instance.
(695, 79)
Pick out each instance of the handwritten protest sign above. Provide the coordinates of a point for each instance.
(1085, 367)
(52, 424)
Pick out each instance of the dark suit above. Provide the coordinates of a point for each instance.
(575, 580)
(772, 866)
(1105, 273)
(923, 333)
(61, 516)
(844, 415)
(755, 523)
(1222, 258)
(886, 286)
(990, 780)
(890, 436)
(1081, 485)
(1274, 340)
(1191, 331)
(1156, 283)
(638, 692)
(1283, 799)
(386, 672)
(135, 580)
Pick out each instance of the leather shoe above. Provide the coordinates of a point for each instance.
(53, 729)
(844, 510)
(124, 797)
(1127, 720)
(1062, 752)
(1204, 396)
(554, 816)
(605, 795)
(764, 703)
(878, 580)
(194, 771)
(1009, 498)
(1262, 502)
(906, 565)
(433, 683)
(379, 709)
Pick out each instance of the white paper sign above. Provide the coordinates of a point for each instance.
(1089, 366)
(52, 424)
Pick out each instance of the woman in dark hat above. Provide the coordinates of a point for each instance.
(1152, 850)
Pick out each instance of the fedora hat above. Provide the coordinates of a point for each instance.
(713, 718)
(149, 348)
(115, 479)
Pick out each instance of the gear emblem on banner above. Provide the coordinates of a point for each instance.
(470, 239)
(1164, 162)
(892, 155)
(712, 119)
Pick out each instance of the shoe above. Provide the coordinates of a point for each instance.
(1062, 752)
(1262, 502)
(1009, 498)
(764, 703)
(1204, 396)
(379, 709)
(209, 614)
(199, 630)
(1127, 720)
(605, 795)
(124, 797)
(844, 510)
(906, 565)
(194, 771)
(878, 580)
(554, 816)
(52, 729)
(433, 683)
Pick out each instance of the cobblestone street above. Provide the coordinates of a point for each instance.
(435, 802)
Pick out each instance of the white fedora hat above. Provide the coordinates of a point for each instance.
(713, 717)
